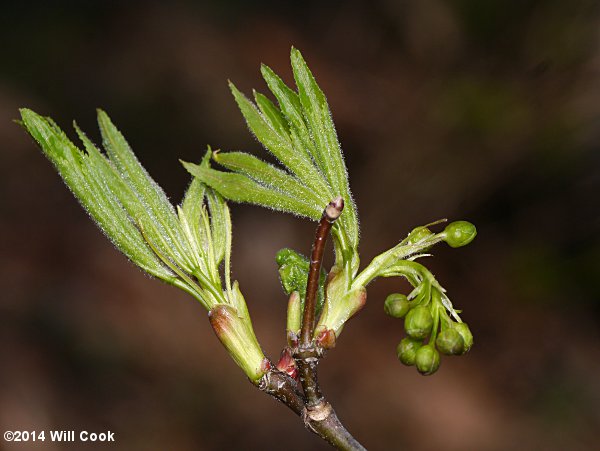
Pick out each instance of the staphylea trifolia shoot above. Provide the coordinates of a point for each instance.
(189, 245)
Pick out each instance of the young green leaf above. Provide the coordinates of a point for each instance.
(87, 182)
(145, 187)
(328, 152)
(293, 273)
(316, 111)
(298, 163)
(292, 109)
(194, 195)
(271, 114)
(111, 182)
(266, 174)
(240, 188)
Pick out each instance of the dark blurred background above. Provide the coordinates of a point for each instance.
(481, 110)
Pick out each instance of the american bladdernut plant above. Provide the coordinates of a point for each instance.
(189, 246)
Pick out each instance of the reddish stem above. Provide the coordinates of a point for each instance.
(330, 214)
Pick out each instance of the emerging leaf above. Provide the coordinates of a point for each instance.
(134, 212)
(293, 273)
(301, 135)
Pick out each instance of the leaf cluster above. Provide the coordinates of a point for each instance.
(299, 132)
(176, 245)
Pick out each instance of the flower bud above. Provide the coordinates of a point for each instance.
(407, 350)
(459, 233)
(396, 305)
(466, 335)
(418, 234)
(427, 360)
(418, 322)
(450, 342)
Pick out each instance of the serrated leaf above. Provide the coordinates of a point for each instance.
(145, 187)
(87, 184)
(316, 111)
(271, 114)
(318, 116)
(291, 107)
(239, 188)
(295, 160)
(267, 174)
(219, 224)
(288, 100)
(194, 195)
(113, 182)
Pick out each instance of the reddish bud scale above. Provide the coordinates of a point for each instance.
(360, 302)
(287, 364)
(265, 365)
(221, 318)
(326, 339)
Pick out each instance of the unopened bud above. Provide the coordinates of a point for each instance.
(396, 305)
(294, 313)
(334, 209)
(459, 233)
(418, 322)
(450, 342)
(287, 364)
(427, 360)
(418, 234)
(466, 335)
(237, 336)
(407, 350)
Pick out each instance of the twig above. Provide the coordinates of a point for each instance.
(322, 420)
(330, 214)
(316, 412)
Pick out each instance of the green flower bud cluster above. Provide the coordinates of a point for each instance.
(429, 328)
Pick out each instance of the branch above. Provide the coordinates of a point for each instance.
(317, 414)
(321, 420)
